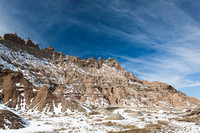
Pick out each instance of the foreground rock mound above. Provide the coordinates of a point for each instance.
(46, 80)
(9, 120)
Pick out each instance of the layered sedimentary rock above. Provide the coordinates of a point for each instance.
(68, 80)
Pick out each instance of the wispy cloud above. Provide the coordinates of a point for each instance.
(175, 40)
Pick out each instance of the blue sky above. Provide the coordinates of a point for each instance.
(156, 40)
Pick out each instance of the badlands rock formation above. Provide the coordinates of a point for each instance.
(46, 80)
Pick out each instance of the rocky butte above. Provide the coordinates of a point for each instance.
(47, 81)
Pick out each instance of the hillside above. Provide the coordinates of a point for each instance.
(57, 92)
(32, 78)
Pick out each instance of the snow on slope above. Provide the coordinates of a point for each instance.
(9, 57)
(103, 85)
(3, 107)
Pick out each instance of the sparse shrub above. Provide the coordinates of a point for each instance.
(188, 110)
(163, 122)
(148, 114)
(189, 119)
(156, 117)
(196, 112)
(128, 111)
(58, 130)
(142, 119)
(129, 126)
(154, 126)
(66, 114)
(109, 123)
(134, 130)
(47, 123)
(98, 120)
(54, 115)
(93, 113)
(112, 108)
(198, 123)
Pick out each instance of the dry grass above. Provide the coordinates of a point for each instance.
(29, 119)
(193, 116)
(142, 119)
(149, 128)
(156, 117)
(54, 115)
(189, 119)
(128, 111)
(148, 114)
(66, 114)
(132, 128)
(188, 110)
(134, 114)
(36, 117)
(135, 130)
(98, 119)
(194, 113)
(109, 123)
(129, 126)
(112, 108)
(93, 113)
(58, 130)
(163, 122)
(154, 126)
(47, 123)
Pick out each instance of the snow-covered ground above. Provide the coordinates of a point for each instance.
(96, 121)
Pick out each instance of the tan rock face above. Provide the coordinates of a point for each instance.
(68, 80)
(49, 50)
(20, 94)
(29, 43)
(15, 89)
(16, 43)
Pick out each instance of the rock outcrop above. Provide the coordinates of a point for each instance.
(14, 42)
(51, 80)
(20, 94)
(13, 38)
